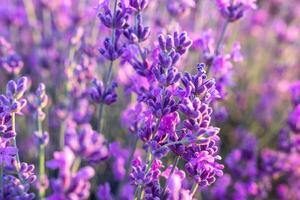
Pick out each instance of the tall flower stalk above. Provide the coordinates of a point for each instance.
(38, 102)
(12, 103)
(116, 21)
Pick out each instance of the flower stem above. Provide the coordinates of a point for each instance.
(175, 163)
(139, 193)
(194, 189)
(131, 156)
(128, 164)
(219, 43)
(41, 159)
(29, 8)
(62, 136)
(76, 165)
(13, 125)
(109, 73)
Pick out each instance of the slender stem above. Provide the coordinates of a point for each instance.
(109, 73)
(131, 156)
(29, 8)
(136, 193)
(150, 160)
(1, 177)
(13, 124)
(139, 190)
(173, 143)
(62, 136)
(219, 43)
(194, 189)
(41, 159)
(106, 83)
(175, 163)
(47, 22)
(128, 164)
(76, 165)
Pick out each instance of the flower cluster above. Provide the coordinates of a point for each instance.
(9, 59)
(190, 138)
(233, 10)
(12, 103)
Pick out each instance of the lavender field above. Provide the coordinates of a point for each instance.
(150, 99)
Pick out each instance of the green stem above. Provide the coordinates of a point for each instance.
(194, 189)
(13, 124)
(128, 164)
(106, 83)
(150, 159)
(41, 192)
(76, 165)
(131, 156)
(29, 8)
(137, 191)
(175, 163)
(219, 43)
(109, 73)
(62, 136)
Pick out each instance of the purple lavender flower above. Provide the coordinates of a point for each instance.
(100, 94)
(139, 33)
(147, 177)
(104, 192)
(294, 119)
(233, 10)
(8, 155)
(112, 50)
(117, 21)
(86, 143)
(121, 155)
(11, 104)
(175, 184)
(9, 59)
(181, 7)
(295, 92)
(138, 5)
(69, 184)
(16, 189)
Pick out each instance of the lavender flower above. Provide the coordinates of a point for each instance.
(86, 143)
(233, 10)
(147, 177)
(104, 192)
(99, 94)
(180, 8)
(294, 119)
(69, 184)
(295, 92)
(11, 104)
(9, 59)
